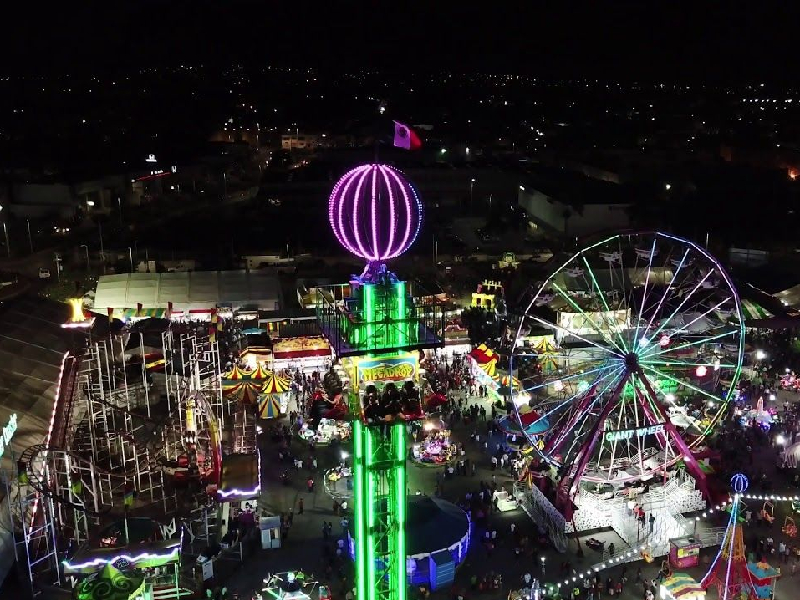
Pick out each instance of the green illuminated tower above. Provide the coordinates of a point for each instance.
(380, 511)
(372, 324)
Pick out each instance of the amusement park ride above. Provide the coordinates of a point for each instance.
(139, 464)
(650, 340)
(375, 330)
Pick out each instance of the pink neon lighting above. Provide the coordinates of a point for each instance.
(375, 212)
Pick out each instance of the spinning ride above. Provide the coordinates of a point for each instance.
(647, 325)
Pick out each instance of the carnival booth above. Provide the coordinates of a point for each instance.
(681, 586)
(483, 366)
(304, 352)
(684, 552)
(763, 578)
(435, 449)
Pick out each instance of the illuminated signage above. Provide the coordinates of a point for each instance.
(150, 158)
(387, 369)
(626, 434)
(8, 432)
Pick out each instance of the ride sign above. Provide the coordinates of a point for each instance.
(8, 432)
(387, 369)
(626, 434)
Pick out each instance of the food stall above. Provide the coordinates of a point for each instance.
(684, 552)
(312, 352)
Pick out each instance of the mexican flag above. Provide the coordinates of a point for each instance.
(405, 137)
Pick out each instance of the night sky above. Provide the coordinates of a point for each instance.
(618, 40)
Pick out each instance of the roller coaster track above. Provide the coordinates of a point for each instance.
(60, 475)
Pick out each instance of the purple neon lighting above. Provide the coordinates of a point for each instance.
(375, 212)
(245, 493)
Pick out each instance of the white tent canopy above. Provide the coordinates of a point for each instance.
(194, 290)
(791, 456)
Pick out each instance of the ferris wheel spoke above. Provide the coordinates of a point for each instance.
(550, 325)
(605, 304)
(705, 340)
(559, 437)
(682, 382)
(568, 378)
(687, 364)
(612, 371)
(644, 293)
(604, 337)
(663, 297)
(665, 322)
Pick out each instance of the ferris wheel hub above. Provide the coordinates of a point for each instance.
(632, 362)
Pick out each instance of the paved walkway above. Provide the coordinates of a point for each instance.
(304, 547)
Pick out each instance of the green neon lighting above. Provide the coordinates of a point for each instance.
(605, 304)
(370, 512)
(400, 508)
(360, 545)
(369, 310)
(400, 313)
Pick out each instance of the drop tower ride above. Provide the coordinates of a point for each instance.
(377, 325)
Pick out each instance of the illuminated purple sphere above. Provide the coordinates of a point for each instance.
(375, 212)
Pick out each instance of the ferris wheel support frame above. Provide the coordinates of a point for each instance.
(692, 466)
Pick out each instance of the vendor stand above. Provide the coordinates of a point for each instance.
(681, 587)
(684, 552)
(763, 578)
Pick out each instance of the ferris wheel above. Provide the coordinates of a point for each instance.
(646, 339)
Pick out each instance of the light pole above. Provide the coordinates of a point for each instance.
(30, 238)
(8, 246)
(86, 249)
(130, 256)
(102, 250)
(471, 187)
(58, 265)
(119, 204)
(5, 230)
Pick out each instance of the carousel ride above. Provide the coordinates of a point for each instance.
(649, 344)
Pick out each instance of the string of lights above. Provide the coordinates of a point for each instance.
(627, 555)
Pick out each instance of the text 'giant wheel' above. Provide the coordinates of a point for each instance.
(627, 357)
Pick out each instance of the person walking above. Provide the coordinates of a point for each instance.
(310, 485)
(300, 506)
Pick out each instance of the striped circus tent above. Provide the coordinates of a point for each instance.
(261, 373)
(752, 311)
(236, 374)
(269, 406)
(275, 384)
(245, 391)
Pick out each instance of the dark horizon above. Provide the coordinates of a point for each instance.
(620, 41)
